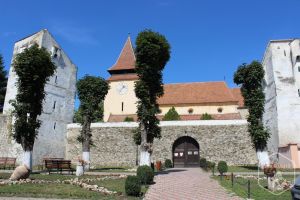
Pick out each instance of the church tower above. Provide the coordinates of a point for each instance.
(120, 100)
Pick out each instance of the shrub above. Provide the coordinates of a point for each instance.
(145, 174)
(206, 116)
(203, 163)
(168, 163)
(222, 167)
(128, 119)
(171, 115)
(132, 186)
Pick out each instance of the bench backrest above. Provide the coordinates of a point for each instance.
(58, 164)
(3, 160)
(11, 161)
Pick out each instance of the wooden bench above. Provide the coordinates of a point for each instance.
(7, 163)
(58, 165)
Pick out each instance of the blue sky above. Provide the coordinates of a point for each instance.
(209, 38)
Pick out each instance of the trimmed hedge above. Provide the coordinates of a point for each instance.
(133, 186)
(222, 167)
(203, 163)
(168, 163)
(145, 174)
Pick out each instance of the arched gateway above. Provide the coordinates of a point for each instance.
(186, 152)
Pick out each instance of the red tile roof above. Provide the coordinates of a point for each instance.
(227, 116)
(123, 77)
(196, 93)
(236, 92)
(126, 58)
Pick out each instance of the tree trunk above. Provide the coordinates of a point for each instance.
(27, 159)
(137, 155)
(86, 135)
(263, 158)
(144, 154)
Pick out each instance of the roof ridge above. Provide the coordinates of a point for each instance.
(195, 82)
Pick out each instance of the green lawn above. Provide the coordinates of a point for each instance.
(53, 190)
(253, 168)
(256, 192)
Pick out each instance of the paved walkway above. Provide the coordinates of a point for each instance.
(187, 184)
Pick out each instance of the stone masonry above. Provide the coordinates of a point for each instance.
(226, 140)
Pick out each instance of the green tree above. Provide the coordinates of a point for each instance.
(3, 83)
(91, 92)
(206, 116)
(98, 115)
(152, 54)
(171, 115)
(250, 77)
(33, 68)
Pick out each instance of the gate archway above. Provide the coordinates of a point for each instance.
(186, 152)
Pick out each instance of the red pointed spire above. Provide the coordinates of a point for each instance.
(126, 60)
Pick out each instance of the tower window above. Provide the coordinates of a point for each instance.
(54, 105)
(54, 126)
(220, 110)
(55, 81)
(298, 59)
(298, 68)
(122, 106)
(284, 53)
(299, 92)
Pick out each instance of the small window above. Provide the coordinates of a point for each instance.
(55, 52)
(190, 110)
(284, 53)
(122, 106)
(220, 110)
(54, 126)
(299, 92)
(55, 81)
(298, 59)
(54, 105)
(298, 68)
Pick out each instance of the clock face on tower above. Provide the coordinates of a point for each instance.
(122, 88)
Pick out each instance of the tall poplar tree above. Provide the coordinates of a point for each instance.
(152, 54)
(91, 92)
(250, 77)
(3, 83)
(33, 67)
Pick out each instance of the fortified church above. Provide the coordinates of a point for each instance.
(185, 141)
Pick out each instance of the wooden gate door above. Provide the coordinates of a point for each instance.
(186, 152)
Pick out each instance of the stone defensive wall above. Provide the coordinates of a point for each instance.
(226, 140)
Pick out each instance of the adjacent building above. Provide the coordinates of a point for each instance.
(281, 63)
(58, 108)
(190, 100)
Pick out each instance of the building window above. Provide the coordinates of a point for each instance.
(298, 59)
(190, 110)
(298, 68)
(299, 92)
(54, 126)
(284, 53)
(55, 81)
(220, 110)
(54, 105)
(55, 52)
(122, 106)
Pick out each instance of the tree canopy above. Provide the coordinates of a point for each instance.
(33, 68)
(250, 77)
(171, 115)
(91, 92)
(152, 54)
(3, 83)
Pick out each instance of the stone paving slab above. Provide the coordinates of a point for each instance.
(187, 184)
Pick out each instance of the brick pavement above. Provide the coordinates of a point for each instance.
(187, 184)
